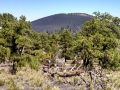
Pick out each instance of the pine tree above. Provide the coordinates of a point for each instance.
(19, 44)
(100, 38)
(66, 42)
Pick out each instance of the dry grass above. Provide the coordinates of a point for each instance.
(110, 81)
(114, 77)
(26, 79)
(32, 79)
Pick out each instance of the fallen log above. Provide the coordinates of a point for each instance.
(70, 74)
(45, 69)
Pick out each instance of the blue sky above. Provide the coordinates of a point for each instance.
(35, 9)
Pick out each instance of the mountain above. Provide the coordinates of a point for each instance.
(58, 21)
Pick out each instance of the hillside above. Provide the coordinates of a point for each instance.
(57, 21)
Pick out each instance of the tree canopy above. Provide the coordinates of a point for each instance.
(97, 41)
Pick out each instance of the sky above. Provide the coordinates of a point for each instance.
(36, 9)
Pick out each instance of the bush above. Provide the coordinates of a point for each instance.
(2, 82)
(12, 85)
(55, 88)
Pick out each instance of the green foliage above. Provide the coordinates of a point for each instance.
(66, 42)
(54, 42)
(4, 53)
(18, 42)
(98, 41)
(101, 39)
(30, 60)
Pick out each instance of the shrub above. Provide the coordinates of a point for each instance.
(1, 82)
(38, 82)
(12, 85)
(55, 88)
(47, 86)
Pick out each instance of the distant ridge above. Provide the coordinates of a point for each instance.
(79, 14)
(62, 20)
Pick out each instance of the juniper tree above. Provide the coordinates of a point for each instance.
(66, 42)
(101, 36)
(54, 43)
(19, 44)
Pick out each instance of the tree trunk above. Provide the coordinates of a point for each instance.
(14, 70)
(65, 58)
(14, 45)
(65, 53)
(22, 50)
